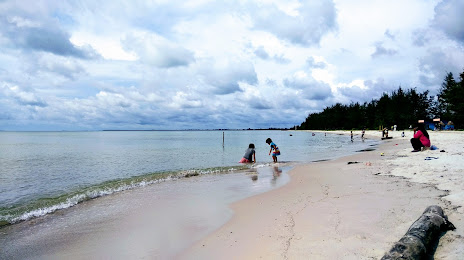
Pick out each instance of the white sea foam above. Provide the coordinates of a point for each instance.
(47, 210)
(70, 202)
(101, 154)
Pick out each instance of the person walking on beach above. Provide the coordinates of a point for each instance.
(362, 134)
(420, 139)
(351, 136)
(250, 155)
(274, 149)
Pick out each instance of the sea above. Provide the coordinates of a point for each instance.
(45, 172)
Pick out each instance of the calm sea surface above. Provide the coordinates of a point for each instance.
(42, 172)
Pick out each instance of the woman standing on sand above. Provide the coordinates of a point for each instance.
(420, 139)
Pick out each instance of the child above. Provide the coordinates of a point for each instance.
(250, 155)
(351, 136)
(274, 147)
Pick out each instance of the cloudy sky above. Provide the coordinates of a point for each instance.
(199, 64)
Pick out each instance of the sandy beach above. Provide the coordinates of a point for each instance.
(343, 210)
(152, 222)
(354, 207)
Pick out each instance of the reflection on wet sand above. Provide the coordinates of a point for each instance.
(276, 174)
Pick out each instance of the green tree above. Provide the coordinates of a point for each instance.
(445, 96)
(401, 108)
(451, 98)
(458, 105)
(434, 110)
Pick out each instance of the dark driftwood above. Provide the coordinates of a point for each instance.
(422, 236)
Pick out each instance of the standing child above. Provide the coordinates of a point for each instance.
(250, 155)
(351, 136)
(274, 147)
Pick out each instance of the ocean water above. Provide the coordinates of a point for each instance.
(41, 172)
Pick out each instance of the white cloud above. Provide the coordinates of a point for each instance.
(305, 25)
(380, 50)
(183, 101)
(308, 87)
(224, 77)
(158, 51)
(448, 17)
(108, 47)
(207, 64)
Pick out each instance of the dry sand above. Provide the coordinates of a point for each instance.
(328, 210)
(336, 210)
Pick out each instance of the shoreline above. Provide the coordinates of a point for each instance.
(94, 174)
(359, 214)
(151, 221)
(63, 195)
(353, 207)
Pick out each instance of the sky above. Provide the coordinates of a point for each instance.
(200, 64)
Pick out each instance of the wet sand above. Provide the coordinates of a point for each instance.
(153, 222)
(336, 210)
(354, 207)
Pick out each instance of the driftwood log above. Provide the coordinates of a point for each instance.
(422, 237)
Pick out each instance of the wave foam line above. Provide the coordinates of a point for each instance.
(104, 189)
(74, 200)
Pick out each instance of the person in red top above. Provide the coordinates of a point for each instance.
(421, 138)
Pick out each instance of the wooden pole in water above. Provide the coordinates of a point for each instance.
(222, 139)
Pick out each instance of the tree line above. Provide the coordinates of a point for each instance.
(401, 107)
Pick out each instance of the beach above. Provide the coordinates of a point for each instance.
(343, 210)
(152, 222)
(353, 207)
